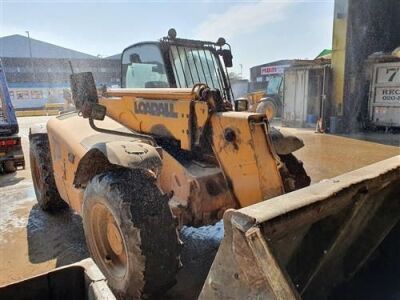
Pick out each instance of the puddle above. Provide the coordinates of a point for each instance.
(15, 204)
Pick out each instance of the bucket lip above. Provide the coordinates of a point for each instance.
(324, 190)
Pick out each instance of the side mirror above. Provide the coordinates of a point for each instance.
(83, 89)
(227, 57)
(241, 104)
(84, 96)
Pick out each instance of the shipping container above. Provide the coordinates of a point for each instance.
(384, 99)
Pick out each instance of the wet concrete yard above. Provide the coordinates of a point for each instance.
(32, 241)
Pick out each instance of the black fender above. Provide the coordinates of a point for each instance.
(111, 155)
(283, 142)
(38, 129)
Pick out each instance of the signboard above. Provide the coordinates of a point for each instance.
(388, 74)
(271, 70)
(387, 94)
(384, 104)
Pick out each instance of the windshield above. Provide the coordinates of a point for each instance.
(196, 65)
(273, 85)
(143, 67)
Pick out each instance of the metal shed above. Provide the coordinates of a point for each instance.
(305, 92)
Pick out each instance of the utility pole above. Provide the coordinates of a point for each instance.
(31, 58)
(241, 71)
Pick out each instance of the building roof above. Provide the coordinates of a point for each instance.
(325, 54)
(284, 62)
(274, 63)
(115, 56)
(18, 46)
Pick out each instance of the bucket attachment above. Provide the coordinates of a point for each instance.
(303, 244)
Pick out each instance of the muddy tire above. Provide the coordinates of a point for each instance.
(42, 174)
(295, 176)
(9, 166)
(131, 233)
(268, 107)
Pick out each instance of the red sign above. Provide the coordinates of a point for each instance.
(272, 70)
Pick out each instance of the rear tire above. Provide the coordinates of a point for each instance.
(42, 174)
(295, 176)
(131, 233)
(268, 107)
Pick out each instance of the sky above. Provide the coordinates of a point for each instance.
(258, 31)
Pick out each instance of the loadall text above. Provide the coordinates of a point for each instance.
(156, 108)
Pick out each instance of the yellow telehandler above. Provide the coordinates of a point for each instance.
(172, 148)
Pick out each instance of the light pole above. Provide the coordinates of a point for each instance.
(30, 54)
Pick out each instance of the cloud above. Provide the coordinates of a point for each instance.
(242, 18)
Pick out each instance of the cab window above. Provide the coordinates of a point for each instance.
(143, 67)
(274, 85)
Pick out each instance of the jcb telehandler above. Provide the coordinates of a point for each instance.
(172, 148)
(171, 152)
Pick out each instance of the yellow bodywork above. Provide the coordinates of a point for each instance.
(255, 98)
(250, 162)
(238, 172)
(122, 103)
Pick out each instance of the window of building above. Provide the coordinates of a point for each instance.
(36, 94)
(22, 95)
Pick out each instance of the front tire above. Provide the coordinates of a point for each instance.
(131, 233)
(42, 174)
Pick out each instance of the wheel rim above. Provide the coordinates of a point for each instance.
(109, 245)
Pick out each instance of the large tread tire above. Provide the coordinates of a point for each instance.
(268, 107)
(146, 228)
(295, 176)
(42, 175)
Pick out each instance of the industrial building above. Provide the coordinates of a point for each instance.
(38, 72)
(361, 28)
(358, 82)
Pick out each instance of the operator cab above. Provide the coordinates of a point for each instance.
(178, 63)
